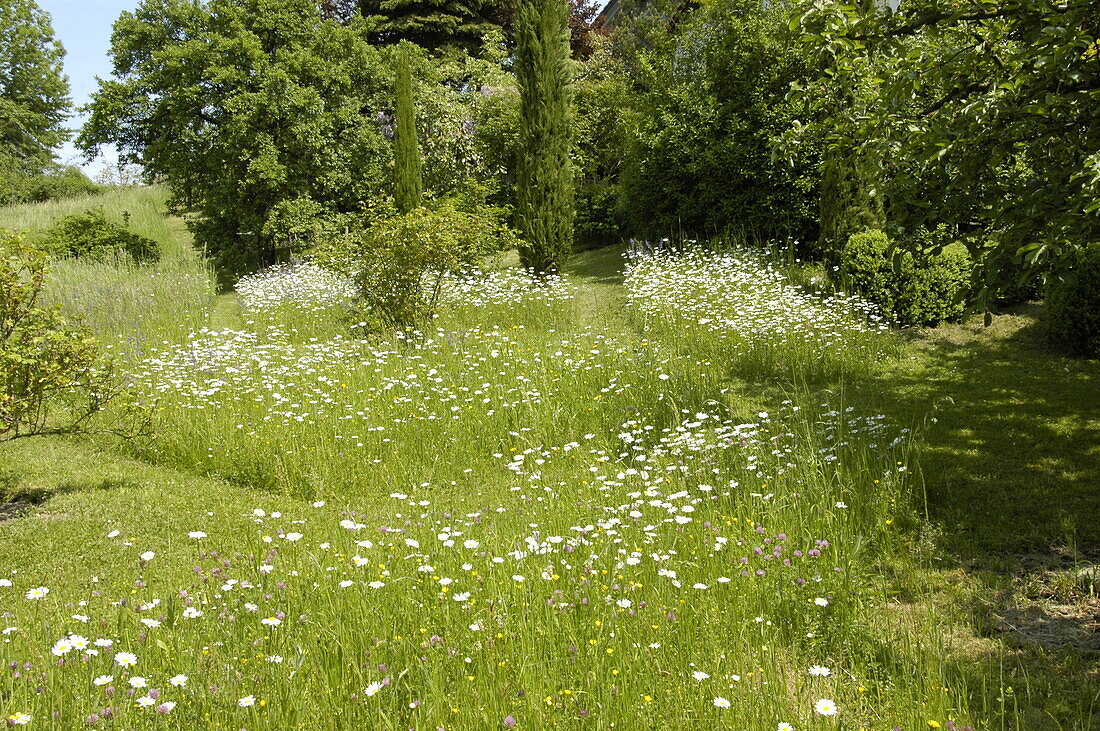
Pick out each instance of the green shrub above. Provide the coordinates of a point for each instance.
(597, 221)
(914, 287)
(1073, 303)
(63, 182)
(46, 365)
(91, 235)
(400, 261)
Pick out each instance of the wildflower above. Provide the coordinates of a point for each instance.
(345, 583)
(819, 671)
(5, 582)
(372, 689)
(166, 707)
(247, 702)
(37, 593)
(196, 534)
(721, 702)
(784, 726)
(274, 659)
(178, 681)
(192, 613)
(19, 719)
(318, 503)
(376, 584)
(62, 647)
(145, 701)
(148, 556)
(825, 707)
(138, 682)
(150, 622)
(126, 659)
(103, 680)
(699, 675)
(821, 601)
(271, 621)
(293, 536)
(470, 544)
(509, 722)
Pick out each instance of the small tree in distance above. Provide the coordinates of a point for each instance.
(408, 183)
(545, 206)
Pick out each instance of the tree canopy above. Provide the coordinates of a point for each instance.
(261, 113)
(34, 92)
(985, 115)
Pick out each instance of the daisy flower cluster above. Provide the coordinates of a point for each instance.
(304, 286)
(742, 300)
(506, 287)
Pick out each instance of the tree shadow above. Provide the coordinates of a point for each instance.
(1010, 435)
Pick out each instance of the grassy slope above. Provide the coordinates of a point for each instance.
(1012, 437)
(145, 206)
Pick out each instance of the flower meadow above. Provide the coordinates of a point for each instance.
(746, 311)
(501, 524)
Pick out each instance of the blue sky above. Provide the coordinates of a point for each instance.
(84, 28)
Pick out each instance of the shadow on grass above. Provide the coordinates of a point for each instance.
(1010, 432)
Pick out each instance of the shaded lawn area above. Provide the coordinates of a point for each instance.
(1011, 433)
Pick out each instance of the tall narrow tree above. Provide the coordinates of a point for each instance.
(407, 180)
(545, 207)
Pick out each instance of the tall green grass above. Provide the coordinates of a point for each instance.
(146, 206)
(519, 518)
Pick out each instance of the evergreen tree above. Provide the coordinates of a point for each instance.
(407, 181)
(436, 24)
(545, 206)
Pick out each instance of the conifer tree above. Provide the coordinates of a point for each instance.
(435, 24)
(545, 207)
(408, 183)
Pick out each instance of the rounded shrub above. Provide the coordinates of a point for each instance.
(913, 288)
(91, 235)
(1073, 303)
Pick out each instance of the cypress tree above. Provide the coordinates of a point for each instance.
(544, 173)
(407, 182)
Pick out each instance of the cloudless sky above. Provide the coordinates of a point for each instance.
(84, 29)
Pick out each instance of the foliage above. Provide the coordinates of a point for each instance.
(408, 182)
(920, 288)
(54, 182)
(435, 25)
(848, 205)
(986, 114)
(400, 262)
(246, 107)
(1073, 302)
(34, 93)
(46, 365)
(710, 90)
(91, 235)
(545, 206)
